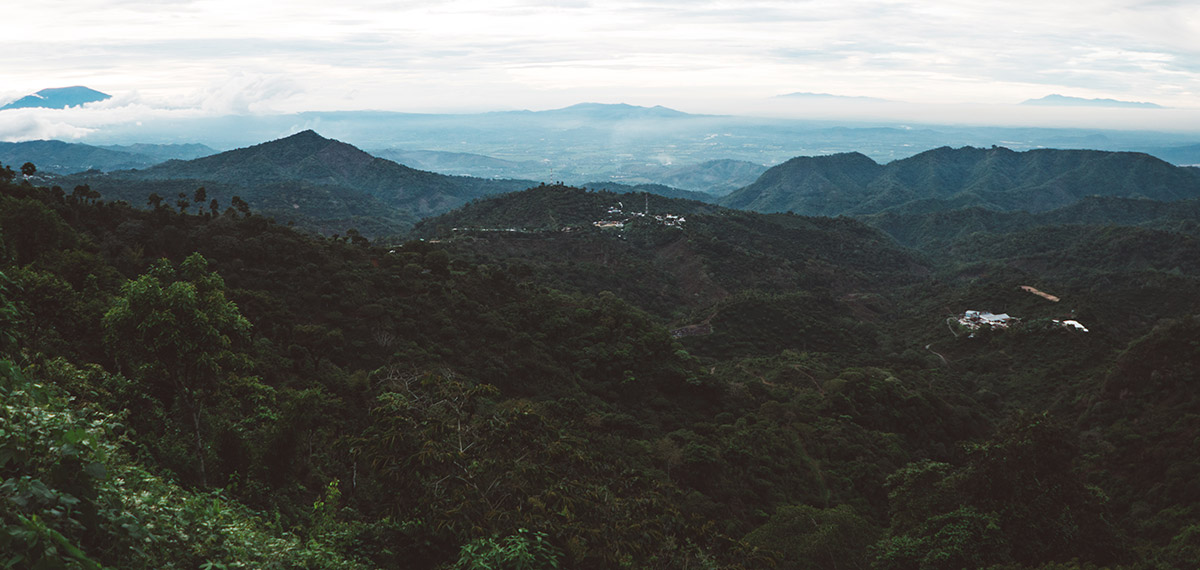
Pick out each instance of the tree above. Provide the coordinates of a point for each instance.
(174, 329)
(963, 538)
(32, 229)
(81, 192)
(183, 202)
(809, 537)
(9, 318)
(28, 169)
(52, 304)
(154, 200)
(356, 238)
(1026, 475)
(200, 195)
(240, 205)
(1018, 498)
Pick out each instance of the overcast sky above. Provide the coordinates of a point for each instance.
(220, 56)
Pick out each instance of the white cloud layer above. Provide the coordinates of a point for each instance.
(241, 93)
(222, 56)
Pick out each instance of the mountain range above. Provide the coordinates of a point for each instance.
(946, 178)
(60, 157)
(1066, 101)
(330, 185)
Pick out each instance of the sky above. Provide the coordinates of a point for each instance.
(953, 61)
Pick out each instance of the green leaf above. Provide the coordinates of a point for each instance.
(96, 470)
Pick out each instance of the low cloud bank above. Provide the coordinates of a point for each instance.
(241, 93)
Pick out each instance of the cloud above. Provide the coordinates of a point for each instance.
(425, 56)
(239, 93)
(28, 124)
(244, 93)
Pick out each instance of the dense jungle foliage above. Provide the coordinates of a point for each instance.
(187, 387)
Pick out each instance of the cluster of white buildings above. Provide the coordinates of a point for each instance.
(978, 319)
(669, 220)
(975, 320)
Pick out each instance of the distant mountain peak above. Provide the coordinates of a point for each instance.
(616, 110)
(1055, 99)
(306, 160)
(305, 134)
(58, 98)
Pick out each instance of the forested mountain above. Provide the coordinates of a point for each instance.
(165, 152)
(315, 181)
(821, 185)
(558, 377)
(65, 158)
(946, 178)
(310, 158)
(937, 230)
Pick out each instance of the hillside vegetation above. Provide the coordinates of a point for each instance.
(308, 179)
(584, 379)
(945, 179)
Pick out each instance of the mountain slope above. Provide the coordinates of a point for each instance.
(931, 231)
(311, 158)
(308, 179)
(706, 257)
(945, 178)
(64, 158)
(58, 98)
(812, 185)
(164, 152)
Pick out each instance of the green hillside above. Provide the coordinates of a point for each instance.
(945, 179)
(820, 185)
(516, 386)
(311, 180)
(936, 230)
(65, 158)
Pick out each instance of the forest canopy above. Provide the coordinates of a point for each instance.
(192, 386)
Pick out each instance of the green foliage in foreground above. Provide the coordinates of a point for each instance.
(521, 551)
(72, 498)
